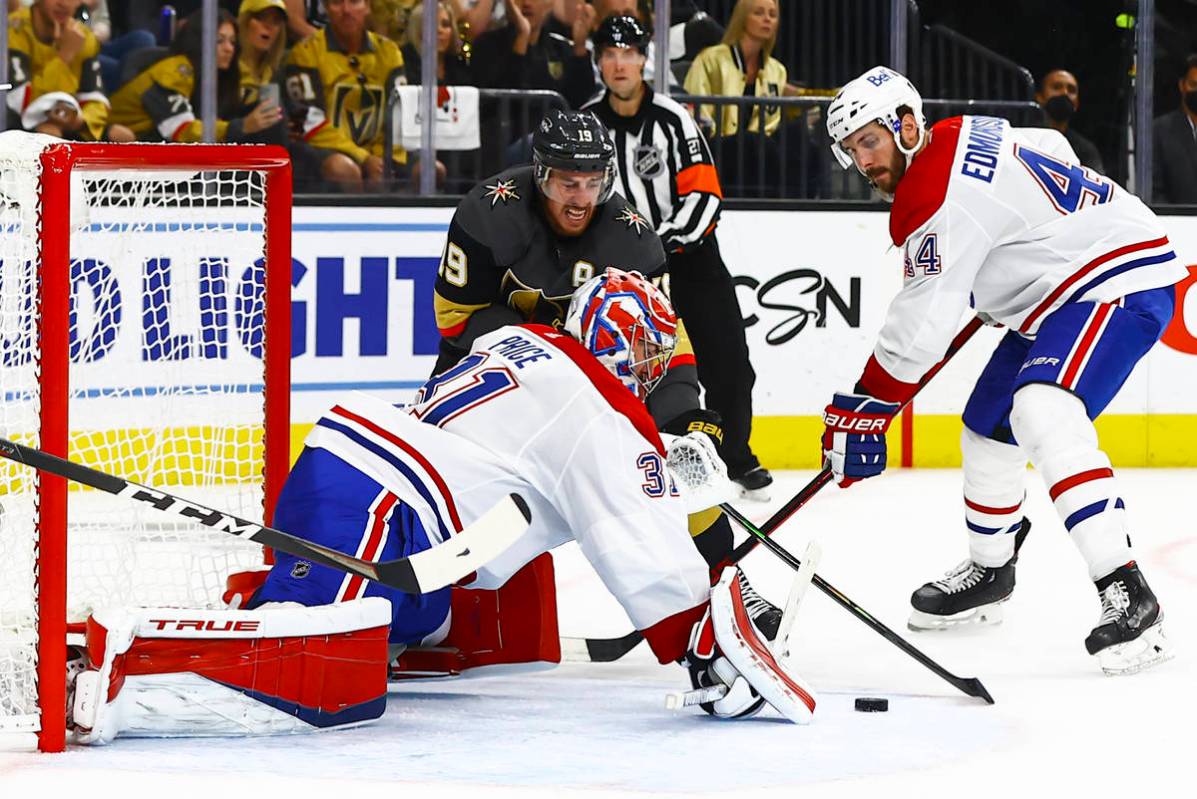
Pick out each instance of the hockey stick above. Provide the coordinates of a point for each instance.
(434, 568)
(968, 685)
(615, 648)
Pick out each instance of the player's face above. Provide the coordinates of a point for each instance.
(347, 17)
(570, 199)
(226, 45)
(264, 29)
(876, 155)
(623, 70)
(648, 362)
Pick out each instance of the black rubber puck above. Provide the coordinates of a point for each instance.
(871, 704)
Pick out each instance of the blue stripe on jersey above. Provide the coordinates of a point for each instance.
(1118, 270)
(390, 458)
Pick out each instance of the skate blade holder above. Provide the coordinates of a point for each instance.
(679, 700)
(1147, 650)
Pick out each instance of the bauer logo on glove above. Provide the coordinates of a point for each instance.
(854, 436)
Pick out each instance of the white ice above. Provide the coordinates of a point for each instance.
(1058, 724)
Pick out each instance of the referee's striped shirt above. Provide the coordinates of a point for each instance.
(665, 168)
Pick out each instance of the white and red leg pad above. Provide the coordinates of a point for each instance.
(167, 672)
(751, 654)
(517, 624)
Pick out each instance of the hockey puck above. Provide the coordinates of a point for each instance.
(871, 704)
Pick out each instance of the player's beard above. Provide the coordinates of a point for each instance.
(885, 179)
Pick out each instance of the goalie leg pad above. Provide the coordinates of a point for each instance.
(516, 624)
(166, 672)
(751, 654)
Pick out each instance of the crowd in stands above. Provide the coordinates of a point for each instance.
(316, 76)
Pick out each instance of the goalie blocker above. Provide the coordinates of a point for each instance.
(168, 672)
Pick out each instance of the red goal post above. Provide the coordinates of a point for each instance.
(62, 166)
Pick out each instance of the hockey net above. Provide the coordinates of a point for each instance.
(144, 321)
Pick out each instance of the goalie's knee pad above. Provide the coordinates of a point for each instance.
(168, 672)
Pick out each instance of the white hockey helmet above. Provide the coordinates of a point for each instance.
(875, 96)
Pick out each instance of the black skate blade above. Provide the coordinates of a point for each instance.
(973, 687)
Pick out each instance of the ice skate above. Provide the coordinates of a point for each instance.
(968, 594)
(754, 484)
(1129, 636)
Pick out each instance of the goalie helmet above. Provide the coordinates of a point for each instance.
(875, 96)
(628, 324)
(573, 141)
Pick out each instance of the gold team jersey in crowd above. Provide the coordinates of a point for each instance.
(720, 70)
(156, 105)
(35, 69)
(251, 84)
(341, 97)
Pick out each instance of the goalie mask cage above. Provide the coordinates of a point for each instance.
(144, 331)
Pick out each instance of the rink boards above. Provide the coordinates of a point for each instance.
(813, 287)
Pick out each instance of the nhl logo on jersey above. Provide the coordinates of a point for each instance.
(300, 569)
(648, 162)
(633, 219)
(503, 190)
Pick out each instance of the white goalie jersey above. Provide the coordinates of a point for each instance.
(1004, 220)
(530, 411)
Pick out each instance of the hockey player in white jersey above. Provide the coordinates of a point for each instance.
(559, 418)
(1004, 221)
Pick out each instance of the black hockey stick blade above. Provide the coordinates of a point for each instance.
(599, 650)
(967, 685)
(422, 572)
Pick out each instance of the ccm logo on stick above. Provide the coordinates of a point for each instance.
(209, 625)
(855, 424)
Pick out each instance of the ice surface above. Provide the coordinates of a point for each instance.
(601, 729)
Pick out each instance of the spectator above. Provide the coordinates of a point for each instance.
(752, 160)
(484, 15)
(158, 104)
(260, 33)
(451, 66)
(524, 55)
(1174, 144)
(54, 66)
(742, 65)
(298, 24)
(113, 51)
(1058, 95)
(337, 82)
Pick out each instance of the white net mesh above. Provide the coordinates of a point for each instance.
(698, 472)
(166, 376)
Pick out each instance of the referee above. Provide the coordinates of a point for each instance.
(666, 171)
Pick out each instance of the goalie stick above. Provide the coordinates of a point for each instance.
(615, 648)
(434, 568)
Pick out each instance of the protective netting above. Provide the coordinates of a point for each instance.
(166, 378)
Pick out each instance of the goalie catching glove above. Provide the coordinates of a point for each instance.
(854, 436)
(731, 659)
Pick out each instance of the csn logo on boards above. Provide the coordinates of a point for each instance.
(793, 300)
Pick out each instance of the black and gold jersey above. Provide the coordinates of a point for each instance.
(341, 96)
(35, 68)
(156, 105)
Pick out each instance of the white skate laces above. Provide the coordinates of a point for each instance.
(961, 578)
(1114, 602)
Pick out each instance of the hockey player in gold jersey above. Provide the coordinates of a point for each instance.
(336, 84)
(55, 71)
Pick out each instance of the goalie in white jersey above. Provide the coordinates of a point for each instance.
(558, 418)
(1004, 221)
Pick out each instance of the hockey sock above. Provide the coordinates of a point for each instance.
(994, 487)
(1054, 430)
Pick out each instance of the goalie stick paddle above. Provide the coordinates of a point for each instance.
(968, 685)
(434, 568)
(615, 648)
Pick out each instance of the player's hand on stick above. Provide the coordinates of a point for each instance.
(854, 428)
